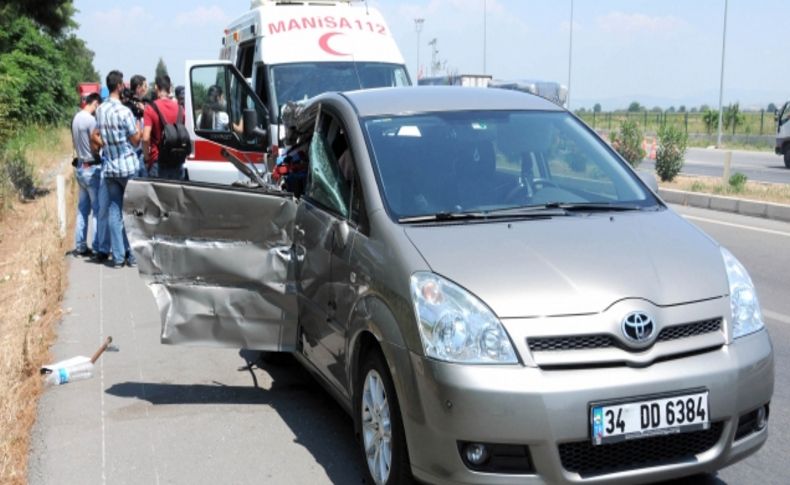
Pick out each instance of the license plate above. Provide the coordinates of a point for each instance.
(613, 422)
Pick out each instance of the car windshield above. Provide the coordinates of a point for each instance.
(459, 162)
(300, 81)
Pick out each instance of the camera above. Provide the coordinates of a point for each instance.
(132, 102)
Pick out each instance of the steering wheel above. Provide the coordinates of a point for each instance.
(524, 191)
(543, 183)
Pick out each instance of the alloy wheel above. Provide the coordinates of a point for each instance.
(376, 427)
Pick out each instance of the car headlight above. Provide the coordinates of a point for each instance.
(455, 326)
(746, 315)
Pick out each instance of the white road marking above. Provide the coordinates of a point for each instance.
(101, 379)
(739, 226)
(779, 317)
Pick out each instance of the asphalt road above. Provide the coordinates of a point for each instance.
(759, 166)
(160, 414)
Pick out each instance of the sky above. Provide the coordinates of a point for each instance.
(658, 52)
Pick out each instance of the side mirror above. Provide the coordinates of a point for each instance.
(342, 232)
(649, 178)
(251, 128)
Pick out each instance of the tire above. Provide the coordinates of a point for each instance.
(374, 399)
(787, 156)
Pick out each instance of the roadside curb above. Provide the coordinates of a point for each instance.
(767, 210)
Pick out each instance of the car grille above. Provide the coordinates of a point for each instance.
(602, 341)
(588, 460)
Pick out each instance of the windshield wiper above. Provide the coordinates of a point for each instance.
(444, 216)
(520, 212)
(594, 206)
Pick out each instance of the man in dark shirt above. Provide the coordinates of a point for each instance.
(152, 133)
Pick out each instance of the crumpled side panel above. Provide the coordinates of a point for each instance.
(218, 260)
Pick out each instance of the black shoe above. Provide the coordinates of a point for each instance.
(113, 264)
(84, 253)
(131, 263)
(100, 257)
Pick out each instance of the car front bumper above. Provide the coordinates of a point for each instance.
(542, 409)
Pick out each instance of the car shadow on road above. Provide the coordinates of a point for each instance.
(318, 423)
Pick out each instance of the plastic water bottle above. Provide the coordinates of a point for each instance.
(74, 369)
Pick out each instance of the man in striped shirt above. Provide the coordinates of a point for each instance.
(120, 133)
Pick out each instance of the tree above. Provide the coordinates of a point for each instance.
(36, 74)
(682, 108)
(41, 62)
(703, 108)
(597, 108)
(656, 109)
(711, 119)
(671, 109)
(771, 108)
(693, 109)
(634, 107)
(55, 16)
(161, 69)
(732, 117)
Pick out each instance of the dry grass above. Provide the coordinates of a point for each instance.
(32, 280)
(760, 191)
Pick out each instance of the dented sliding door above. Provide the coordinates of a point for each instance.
(218, 260)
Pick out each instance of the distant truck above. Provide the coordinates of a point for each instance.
(553, 91)
(281, 51)
(464, 80)
(783, 133)
(85, 90)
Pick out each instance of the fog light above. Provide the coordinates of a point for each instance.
(762, 418)
(476, 453)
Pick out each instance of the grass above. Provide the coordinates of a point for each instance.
(759, 191)
(32, 281)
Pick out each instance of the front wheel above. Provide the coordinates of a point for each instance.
(382, 438)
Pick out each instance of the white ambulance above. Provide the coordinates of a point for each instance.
(281, 51)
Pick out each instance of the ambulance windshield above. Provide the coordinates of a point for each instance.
(300, 81)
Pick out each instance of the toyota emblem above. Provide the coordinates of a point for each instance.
(638, 327)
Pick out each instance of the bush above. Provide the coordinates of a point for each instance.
(672, 142)
(17, 173)
(738, 182)
(627, 140)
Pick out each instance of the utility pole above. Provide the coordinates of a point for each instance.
(418, 28)
(721, 81)
(485, 37)
(570, 58)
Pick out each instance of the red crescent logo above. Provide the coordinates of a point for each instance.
(323, 42)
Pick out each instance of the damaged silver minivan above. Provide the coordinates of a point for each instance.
(481, 282)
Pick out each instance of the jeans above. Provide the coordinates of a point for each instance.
(116, 186)
(88, 179)
(102, 229)
(142, 171)
(168, 172)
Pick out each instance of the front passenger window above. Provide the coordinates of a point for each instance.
(327, 184)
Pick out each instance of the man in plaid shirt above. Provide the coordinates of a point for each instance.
(120, 133)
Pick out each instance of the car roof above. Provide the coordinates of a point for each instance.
(423, 99)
